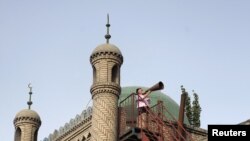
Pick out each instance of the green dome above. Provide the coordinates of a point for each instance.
(168, 102)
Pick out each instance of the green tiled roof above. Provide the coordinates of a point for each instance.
(168, 102)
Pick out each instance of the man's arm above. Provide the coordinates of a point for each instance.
(147, 93)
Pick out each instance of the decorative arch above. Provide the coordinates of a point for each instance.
(35, 135)
(89, 135)
(83, 138)
(115, 74)
(94, 74)
(18, 134)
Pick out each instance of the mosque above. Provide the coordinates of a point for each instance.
(114, 115)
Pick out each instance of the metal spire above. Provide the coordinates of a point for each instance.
(30, 93)
(107, 36)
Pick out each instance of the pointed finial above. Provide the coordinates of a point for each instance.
(30, 93)
(183, 89)
(107, 36)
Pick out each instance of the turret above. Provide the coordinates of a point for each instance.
(27, 123)
(106, 61)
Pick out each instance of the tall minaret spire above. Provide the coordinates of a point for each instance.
(27, 122)
(30, 93)
(106, 61)
(107, 36)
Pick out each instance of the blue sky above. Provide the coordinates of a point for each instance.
(203, 45)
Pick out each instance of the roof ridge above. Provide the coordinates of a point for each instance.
(78, 119)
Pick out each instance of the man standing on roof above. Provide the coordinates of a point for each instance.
(143, 100)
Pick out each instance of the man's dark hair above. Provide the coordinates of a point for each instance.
(137, 90)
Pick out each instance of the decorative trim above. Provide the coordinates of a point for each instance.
(87, 120)
(111, 88)
(99, 55)
(25, 119)
(72, 126)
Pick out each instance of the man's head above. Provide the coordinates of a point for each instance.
(139, 91)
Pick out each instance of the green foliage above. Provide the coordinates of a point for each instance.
(188, 109)
(196, 110)
(193, 110)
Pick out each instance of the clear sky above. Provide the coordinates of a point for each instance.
(201, 44)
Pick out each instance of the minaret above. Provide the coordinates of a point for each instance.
(106, 61)
(27, 123)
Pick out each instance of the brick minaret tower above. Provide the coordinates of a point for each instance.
(106, 61)
(27, 123)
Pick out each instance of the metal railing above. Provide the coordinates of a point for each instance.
(153, 123)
